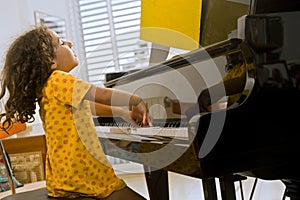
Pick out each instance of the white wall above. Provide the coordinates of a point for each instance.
(17, 16)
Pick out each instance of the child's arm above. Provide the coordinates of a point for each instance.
(102, 110)
(109, 96)
(112, 97)
(112, 111)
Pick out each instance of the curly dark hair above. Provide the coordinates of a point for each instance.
(26, 69)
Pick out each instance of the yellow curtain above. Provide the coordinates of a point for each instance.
(173, 23)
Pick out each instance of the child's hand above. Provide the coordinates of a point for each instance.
(140, 114)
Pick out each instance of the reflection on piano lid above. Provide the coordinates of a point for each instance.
(178, 62)
(113, 75)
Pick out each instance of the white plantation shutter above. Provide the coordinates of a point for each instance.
(110, 32)
(55, 23)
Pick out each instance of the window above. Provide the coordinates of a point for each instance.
(55, 23)
(110, 33)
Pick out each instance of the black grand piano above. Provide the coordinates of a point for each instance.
(258, 137)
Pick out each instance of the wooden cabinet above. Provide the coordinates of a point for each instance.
(36, 143)
(27, 151)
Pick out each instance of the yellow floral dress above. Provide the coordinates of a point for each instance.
(75, 164)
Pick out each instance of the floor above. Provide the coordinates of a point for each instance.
(26, 187)
(181, 187)
(186, 188)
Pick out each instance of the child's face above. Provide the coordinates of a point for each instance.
(66, 59)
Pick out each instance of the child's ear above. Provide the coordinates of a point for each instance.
(54, 65)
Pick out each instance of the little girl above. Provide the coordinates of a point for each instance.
(36, 70)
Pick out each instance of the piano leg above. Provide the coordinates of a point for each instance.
(227, 187)
(209, 188)
(157, 183)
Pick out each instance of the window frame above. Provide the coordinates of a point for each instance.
(124, 52)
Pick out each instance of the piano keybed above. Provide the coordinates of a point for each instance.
(119, 122)
(172, 127)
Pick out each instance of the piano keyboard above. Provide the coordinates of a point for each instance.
(161, 127)
(146, 131)
(119, 122)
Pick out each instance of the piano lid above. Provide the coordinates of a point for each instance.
(179, 62)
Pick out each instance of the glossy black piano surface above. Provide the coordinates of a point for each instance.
(259, 137)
